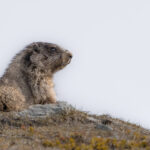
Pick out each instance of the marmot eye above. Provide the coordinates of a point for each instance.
(53, 49)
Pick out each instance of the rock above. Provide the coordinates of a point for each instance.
(93, 119)
(38, 111)
(106, 121)
(99, 125)
(103, 127)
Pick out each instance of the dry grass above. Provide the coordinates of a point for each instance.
(71, 131)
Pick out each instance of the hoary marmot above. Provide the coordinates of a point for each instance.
(29, 77)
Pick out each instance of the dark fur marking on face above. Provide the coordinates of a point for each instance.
(33, 68)
(27, 58)
(35, 48)
(45, 57)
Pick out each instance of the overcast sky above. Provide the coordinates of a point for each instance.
(110, 41)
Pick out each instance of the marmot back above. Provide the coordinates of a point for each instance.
(29, 77)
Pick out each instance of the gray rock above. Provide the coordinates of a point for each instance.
(103, 127)
(93, 119)
(38, 111)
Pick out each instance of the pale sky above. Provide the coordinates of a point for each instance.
(109, 73)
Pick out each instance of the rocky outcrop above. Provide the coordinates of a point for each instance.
(47, 110)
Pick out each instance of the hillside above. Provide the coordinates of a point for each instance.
(60, 126)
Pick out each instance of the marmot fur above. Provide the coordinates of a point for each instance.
(29, 77)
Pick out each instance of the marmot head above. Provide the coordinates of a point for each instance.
(46, 56)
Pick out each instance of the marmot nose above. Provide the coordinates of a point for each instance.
(69, 53)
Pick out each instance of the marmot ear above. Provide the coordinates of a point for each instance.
(33, 58)
(36, 59)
